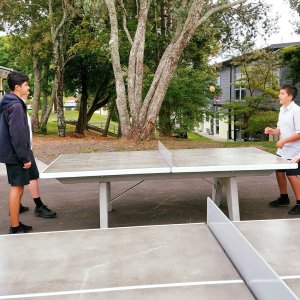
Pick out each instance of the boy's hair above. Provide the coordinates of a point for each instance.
(291, 90)
(16, 78)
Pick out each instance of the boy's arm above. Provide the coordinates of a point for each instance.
(292, 138)
(17, 133)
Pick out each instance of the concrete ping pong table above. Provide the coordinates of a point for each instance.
(222, 164)
(219, 260)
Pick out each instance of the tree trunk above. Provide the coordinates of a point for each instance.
(164, 121)
(97, 105)
(59, 63)
(36, 94)
(115, 56)
(45, 89)
(45, 117)
(110, 112)
(82, 118)
(57, 35)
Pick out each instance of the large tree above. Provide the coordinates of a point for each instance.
(59, 14)
(28, 26)
(88, 72)
(37, 27)
(137, 113)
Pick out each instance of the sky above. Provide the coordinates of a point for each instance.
(286, 29)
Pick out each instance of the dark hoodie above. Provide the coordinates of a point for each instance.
(14, 130)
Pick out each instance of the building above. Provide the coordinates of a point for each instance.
(228, 74)
(71, 104)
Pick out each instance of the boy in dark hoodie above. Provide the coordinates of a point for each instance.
(15, 146)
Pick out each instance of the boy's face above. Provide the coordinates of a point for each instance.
(284, 98)
(25, 96)
(22, 89)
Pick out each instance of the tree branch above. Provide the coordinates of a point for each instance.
(125, 22)
(219, 8)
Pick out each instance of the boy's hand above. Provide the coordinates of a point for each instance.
(27, 165)
(268, 130)
(296, 159)
(280, 144)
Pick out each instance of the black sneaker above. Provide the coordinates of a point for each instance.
(44, 212)
(279, 202)
(22, 229)
(23, 208)
(25, 227)
(295, 210)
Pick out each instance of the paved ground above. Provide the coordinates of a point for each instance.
(151, 202)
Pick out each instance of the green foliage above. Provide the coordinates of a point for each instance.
(259, 72)
(295, 4)
(259, 77)
(89, 58)
(28, 27)
(291, 57)
(9, 46)
(239, 27)
(186, 99)
(7, 55)
(259, 121)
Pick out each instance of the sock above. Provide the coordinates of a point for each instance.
(284, 196)
(38, 202)
(15, 229)
(298, 202)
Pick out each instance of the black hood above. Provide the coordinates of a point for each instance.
(8, 100)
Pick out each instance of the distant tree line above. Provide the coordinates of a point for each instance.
(146, 61)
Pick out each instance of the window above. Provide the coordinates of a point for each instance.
(240, 92)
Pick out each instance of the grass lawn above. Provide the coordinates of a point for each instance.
(264, 145)
(72, 115)
(99, 121)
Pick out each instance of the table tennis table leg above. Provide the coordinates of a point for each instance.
(217, 192)
(103, 203)
(232, 196)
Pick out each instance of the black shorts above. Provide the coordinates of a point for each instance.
(17, 176)
(291, 172)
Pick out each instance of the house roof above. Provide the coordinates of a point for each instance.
(4, 72)
(281, 45)
(270, 47)
(5, 69)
